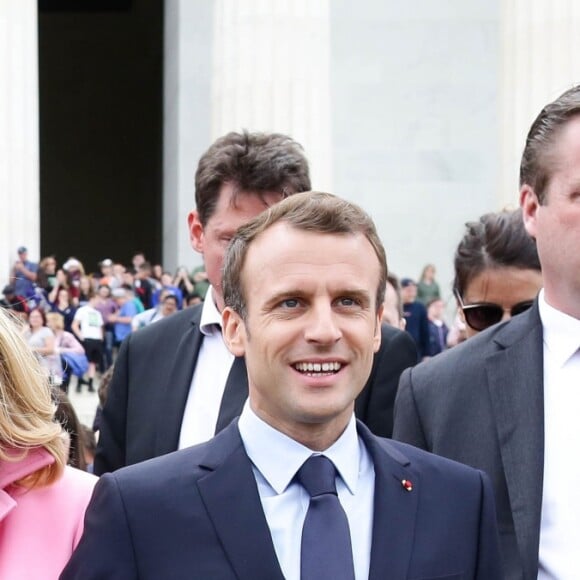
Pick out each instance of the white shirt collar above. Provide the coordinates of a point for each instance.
(278, 457)
(211, 318)
(561, 331)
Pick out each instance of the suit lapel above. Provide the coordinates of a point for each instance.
(515, 382)
(235, 394)
(177, 388)
(231, 498)
(395, 510)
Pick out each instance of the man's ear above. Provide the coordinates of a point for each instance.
(234, 332)
(196, 237)
(378, 333)
(530, 204)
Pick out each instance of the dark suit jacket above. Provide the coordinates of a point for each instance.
(196, 513)
(481, 403)
(153, 372)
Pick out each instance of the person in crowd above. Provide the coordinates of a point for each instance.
(117, 279)
(438, 330)
(66, 415)
(428, 288)
(506, 400)
(107, 306)
(392, 304)
(183, 281)
(42, 502)
(42, 342)
(88, 325)
(156, 272)
(127, 309)
(497, 270)
(46, 274)
(86, 288)
(11, 301)
(200, 280)
(23, 274)
(144, 285)
(167, 284)
(193, 299)
(166, 307)
(106, 277)
(180, 368)
(74, 271)
(63, 305)
(303, 289)
(137, 261)
(72, 354)
(416, 321)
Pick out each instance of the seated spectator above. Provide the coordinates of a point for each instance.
(12, 301)
(167, 284)
(46, 275)
(497, 270)
(23, 274)
(64, 307)
(183, 281)
(167, 307)
(42, 502)
(438, 330)
(42, 342)
(72, 354)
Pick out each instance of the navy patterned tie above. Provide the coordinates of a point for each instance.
(326, 551)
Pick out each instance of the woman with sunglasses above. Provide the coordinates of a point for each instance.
(497, 270)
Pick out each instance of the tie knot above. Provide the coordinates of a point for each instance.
(317, 475)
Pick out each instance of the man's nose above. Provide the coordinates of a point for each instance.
(322, 325)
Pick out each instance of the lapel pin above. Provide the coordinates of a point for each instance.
(407, 484)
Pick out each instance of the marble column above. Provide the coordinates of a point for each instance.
(19, 156)
(540, 60)
(271, 72)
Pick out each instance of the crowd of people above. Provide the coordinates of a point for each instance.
(75, 320)
(308, 412)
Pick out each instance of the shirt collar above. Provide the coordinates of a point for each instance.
(211, 319)
(561, 331)
(278, 457)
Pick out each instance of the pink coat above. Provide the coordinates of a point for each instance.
(39, 528)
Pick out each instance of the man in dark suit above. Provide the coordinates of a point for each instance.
(297, 488)
(175, 384)
(506, 401)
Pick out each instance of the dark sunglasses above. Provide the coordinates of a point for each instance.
(485, 314)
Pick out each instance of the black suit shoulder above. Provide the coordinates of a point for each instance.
(374, 405)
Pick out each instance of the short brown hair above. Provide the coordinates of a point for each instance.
(311, 211)
(496, 240)
(253, 163)
(537, 163)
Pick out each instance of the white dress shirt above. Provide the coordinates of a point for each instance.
(208, 383)
(276, 458)
(560, 525)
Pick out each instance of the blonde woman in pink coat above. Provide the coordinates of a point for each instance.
(42, 501)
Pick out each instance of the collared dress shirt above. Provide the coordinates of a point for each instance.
(213, 366)
(276, 458)
(560, 523)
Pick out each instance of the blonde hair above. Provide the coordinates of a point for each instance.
(56, 318)
(26, 406)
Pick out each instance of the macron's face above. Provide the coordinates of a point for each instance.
(312, 326)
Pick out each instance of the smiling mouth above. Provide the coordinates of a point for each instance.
(317, 369)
